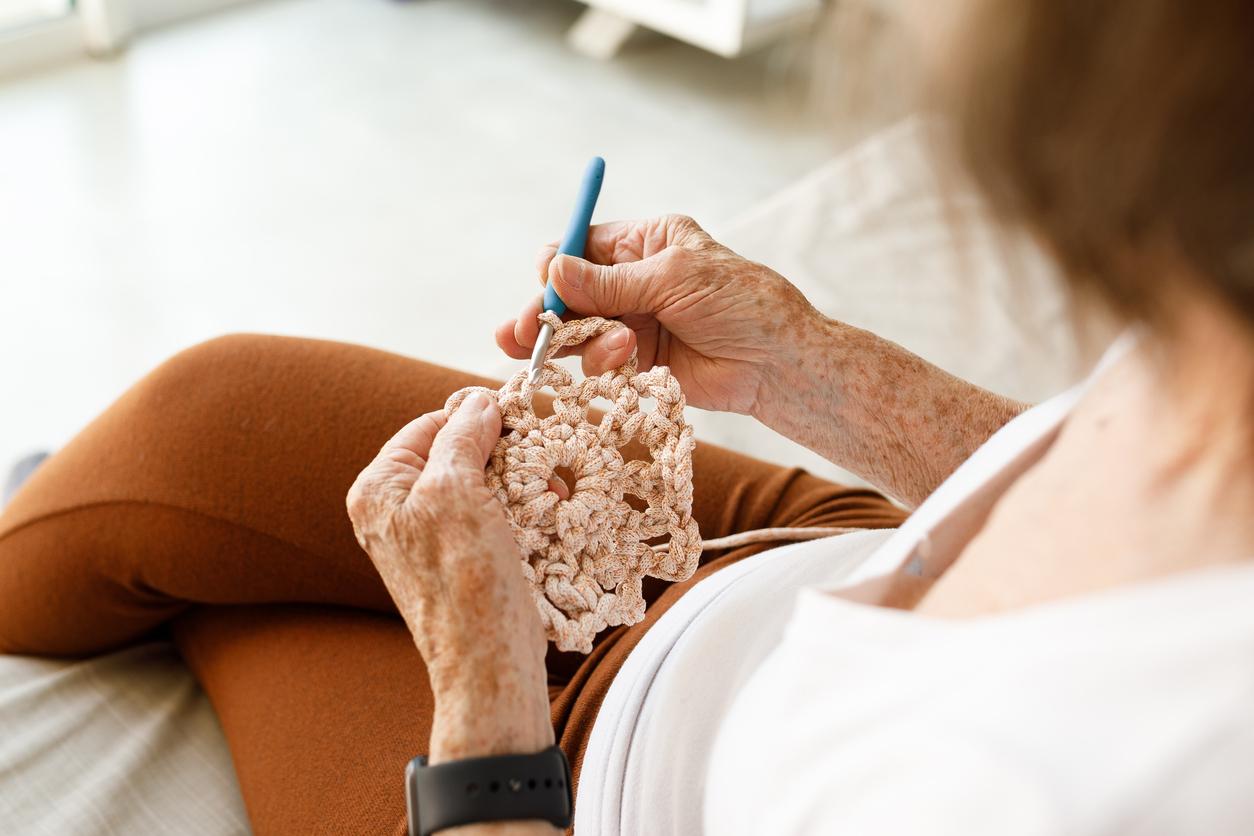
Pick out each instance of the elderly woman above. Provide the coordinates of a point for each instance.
(1057, 640)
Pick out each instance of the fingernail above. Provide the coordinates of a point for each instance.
(477, 402)
(617, 339)
(570, 270)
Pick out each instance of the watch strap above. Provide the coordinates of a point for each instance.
(497, 788)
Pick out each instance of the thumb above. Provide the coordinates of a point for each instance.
(467, 438)
(632, 287)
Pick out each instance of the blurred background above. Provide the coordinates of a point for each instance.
(384, 172)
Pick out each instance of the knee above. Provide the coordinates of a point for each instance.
(213, 363)
(218, 353)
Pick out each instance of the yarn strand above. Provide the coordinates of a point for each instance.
(586, 556)
(772, 535)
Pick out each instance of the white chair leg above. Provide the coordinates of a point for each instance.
(107, 25)
(599, 34)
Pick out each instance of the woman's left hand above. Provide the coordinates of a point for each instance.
(442, 544)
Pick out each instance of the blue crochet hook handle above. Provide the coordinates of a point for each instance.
(576, 237)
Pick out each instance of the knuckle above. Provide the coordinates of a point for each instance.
(362, 500)
(355, 502)
(366, 514)
(689, 234)
(674, 256)
(683, 228)
(675, 263)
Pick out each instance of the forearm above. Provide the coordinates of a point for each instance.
(501, 713)
(443, 547)
(491, 699)
(877, 410)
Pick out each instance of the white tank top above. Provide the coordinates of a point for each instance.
(759, 705)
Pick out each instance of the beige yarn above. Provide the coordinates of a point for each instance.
(585, 557)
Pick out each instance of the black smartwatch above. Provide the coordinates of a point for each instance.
(475, 790)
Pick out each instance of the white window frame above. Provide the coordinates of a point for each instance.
(94, 28)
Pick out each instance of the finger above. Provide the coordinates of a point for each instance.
(527, 326)
(648, 342)
(400, 461)
(508, 343)
(543, 257)
(627, 288)
(623, 241)
(605, 244)
(467, 439)
(614, 242)
(516, 337)
(608, 351)
(413, 441)
(559, 487)
(618, 242)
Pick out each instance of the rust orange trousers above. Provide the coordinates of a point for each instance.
(207, 504)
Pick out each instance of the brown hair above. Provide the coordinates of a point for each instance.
(1121, 134)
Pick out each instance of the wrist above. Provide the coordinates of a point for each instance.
(490, 710)
(800, 367)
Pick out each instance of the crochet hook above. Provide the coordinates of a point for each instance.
(573, 243)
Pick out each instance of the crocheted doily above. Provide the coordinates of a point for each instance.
(585, 556)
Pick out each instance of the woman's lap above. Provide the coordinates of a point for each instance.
(212, 495)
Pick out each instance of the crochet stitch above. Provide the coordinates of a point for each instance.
(585, 556)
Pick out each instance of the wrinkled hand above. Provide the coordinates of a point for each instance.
(441, 542)
(722, 323)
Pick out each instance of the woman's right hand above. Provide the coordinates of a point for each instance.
(722, 323)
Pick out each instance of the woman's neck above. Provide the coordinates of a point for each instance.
(1153, 473)
(1195, 399)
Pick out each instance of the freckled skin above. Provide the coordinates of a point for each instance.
(876, 409)
(443, 547)
(738, 337)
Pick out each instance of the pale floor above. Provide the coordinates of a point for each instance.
(359, 170)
